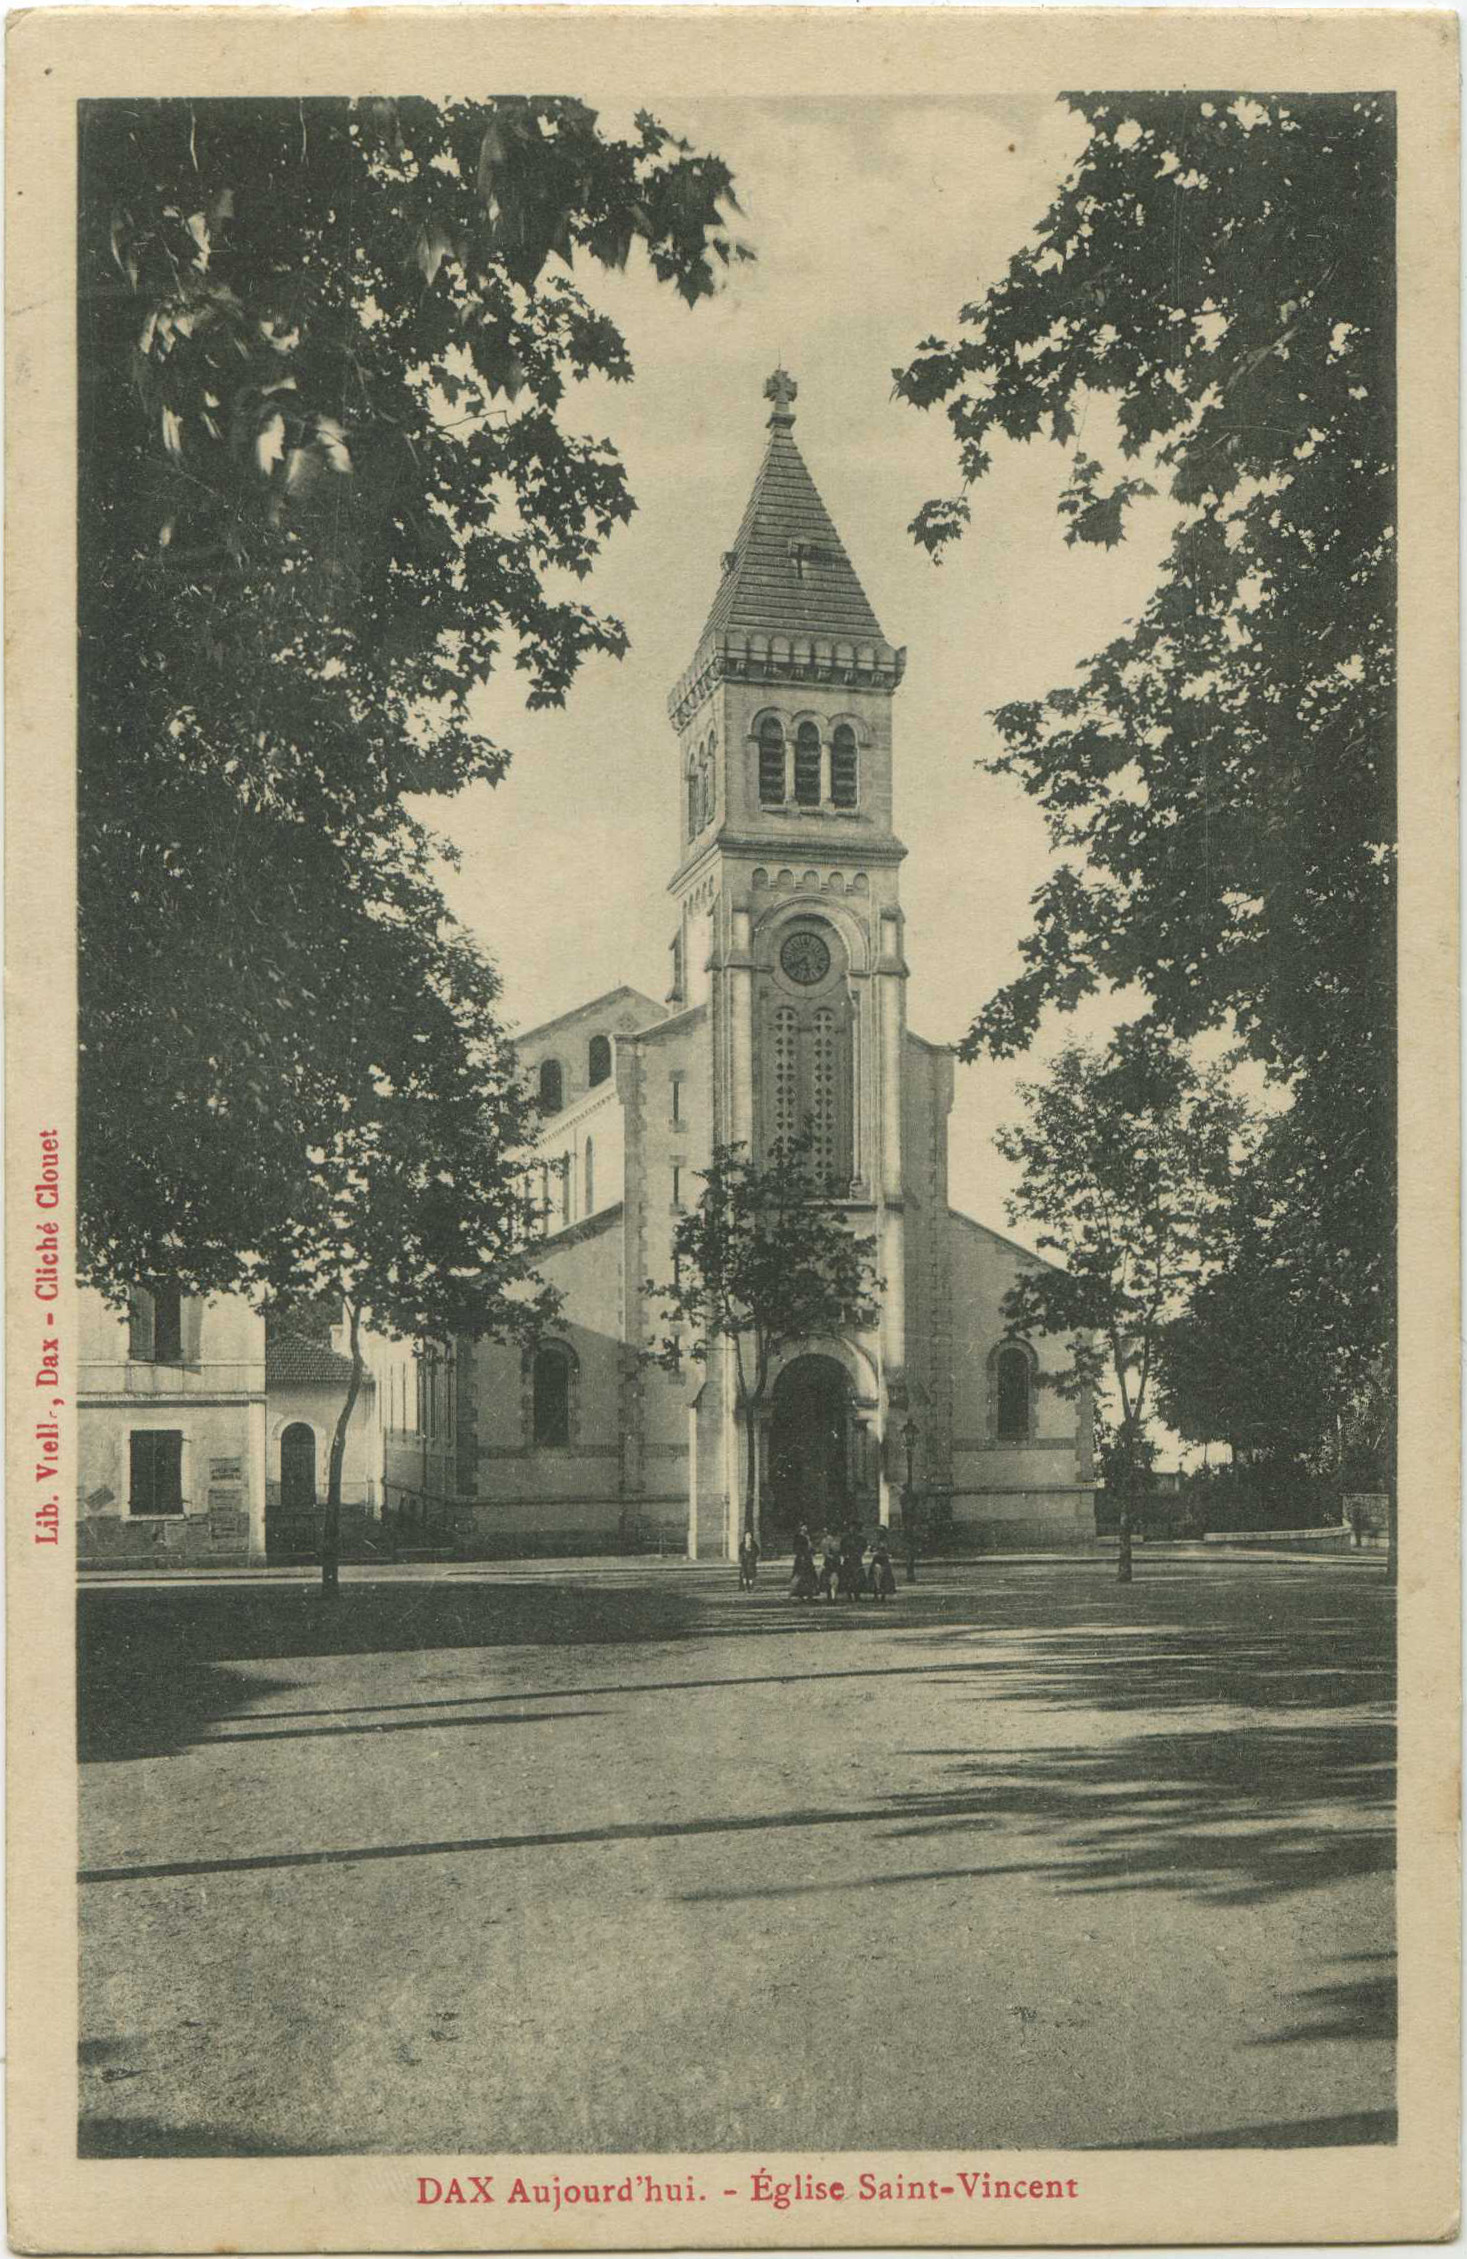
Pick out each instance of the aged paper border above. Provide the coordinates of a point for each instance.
(1407, 2192)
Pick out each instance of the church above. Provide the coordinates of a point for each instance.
(786, 1008)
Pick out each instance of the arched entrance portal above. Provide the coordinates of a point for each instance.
(811, 1447)
(298, 1468)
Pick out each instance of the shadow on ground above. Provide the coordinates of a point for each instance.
(1221, 1737)
(154, 1662)
(153, 1666)
(1355, 2129)
(1259, 1771)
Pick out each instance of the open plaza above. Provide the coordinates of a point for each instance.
(612, 1857)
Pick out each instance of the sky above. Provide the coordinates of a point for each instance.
(873, 222)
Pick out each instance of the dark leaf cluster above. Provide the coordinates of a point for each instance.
(327, 491)
(1220, 783)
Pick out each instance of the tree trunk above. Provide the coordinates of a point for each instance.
(751, 1469)
(331, 1520)
(1128, 1512)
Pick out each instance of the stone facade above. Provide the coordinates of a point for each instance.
(787, 1006)
(183, 1417)
(306, 1380)
(171, 1448)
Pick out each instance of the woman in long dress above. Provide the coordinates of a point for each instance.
(803, 1581)
(852, 1547)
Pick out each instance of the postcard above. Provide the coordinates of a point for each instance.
(732, 1128)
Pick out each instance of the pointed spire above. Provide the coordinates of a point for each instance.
(788, 571)
(789, 604)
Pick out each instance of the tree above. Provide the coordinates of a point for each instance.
(1219, 785)
(1125, 1159)
(410, 1210)
(326, 493)
(1127, 1463)
(1246, 1363)
(766, 1258)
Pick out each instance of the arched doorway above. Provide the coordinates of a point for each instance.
(810, 1447)
(298, 1468)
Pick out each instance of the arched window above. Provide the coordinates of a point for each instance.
(552, 1086)
(551, 1391)
(598, 1060)
(786, 1075)
(807, 765)
(823, 1108)
(845, 775)
(806, 1043)
(771, 762)
(588, 1184)
(1013, 1377)
(695, 795)
(298, 1467)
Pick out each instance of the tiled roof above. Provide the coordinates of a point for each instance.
(292, 1360)
(789, 572)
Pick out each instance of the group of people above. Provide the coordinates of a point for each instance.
(844, 1573)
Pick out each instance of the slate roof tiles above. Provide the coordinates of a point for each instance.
(789, 573)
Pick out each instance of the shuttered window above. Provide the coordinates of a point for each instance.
(167, 1326)
(156, 1471)
(771, 762)
(807, 765)
(140, 1326)
(844, 767)
(155, 1325)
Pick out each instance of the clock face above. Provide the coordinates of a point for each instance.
(805, 958)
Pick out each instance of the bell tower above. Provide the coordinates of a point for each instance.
(789, 916)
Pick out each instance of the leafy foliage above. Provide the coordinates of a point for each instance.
(409, 1206)
(1248, 1361)
(762, 1261)
(1219, 786)
(1127, 1463)
(1127, 1157)
(326, 493)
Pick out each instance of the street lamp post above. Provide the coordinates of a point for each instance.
(909, 1502)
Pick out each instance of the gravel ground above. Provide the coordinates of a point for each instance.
(597, 1857)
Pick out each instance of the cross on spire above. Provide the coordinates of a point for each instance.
(782, 389)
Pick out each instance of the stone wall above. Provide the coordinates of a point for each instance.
(320, 1409)
(214, 1398)
(1036, 1491)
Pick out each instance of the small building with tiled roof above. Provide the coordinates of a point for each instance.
(306, 1380)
